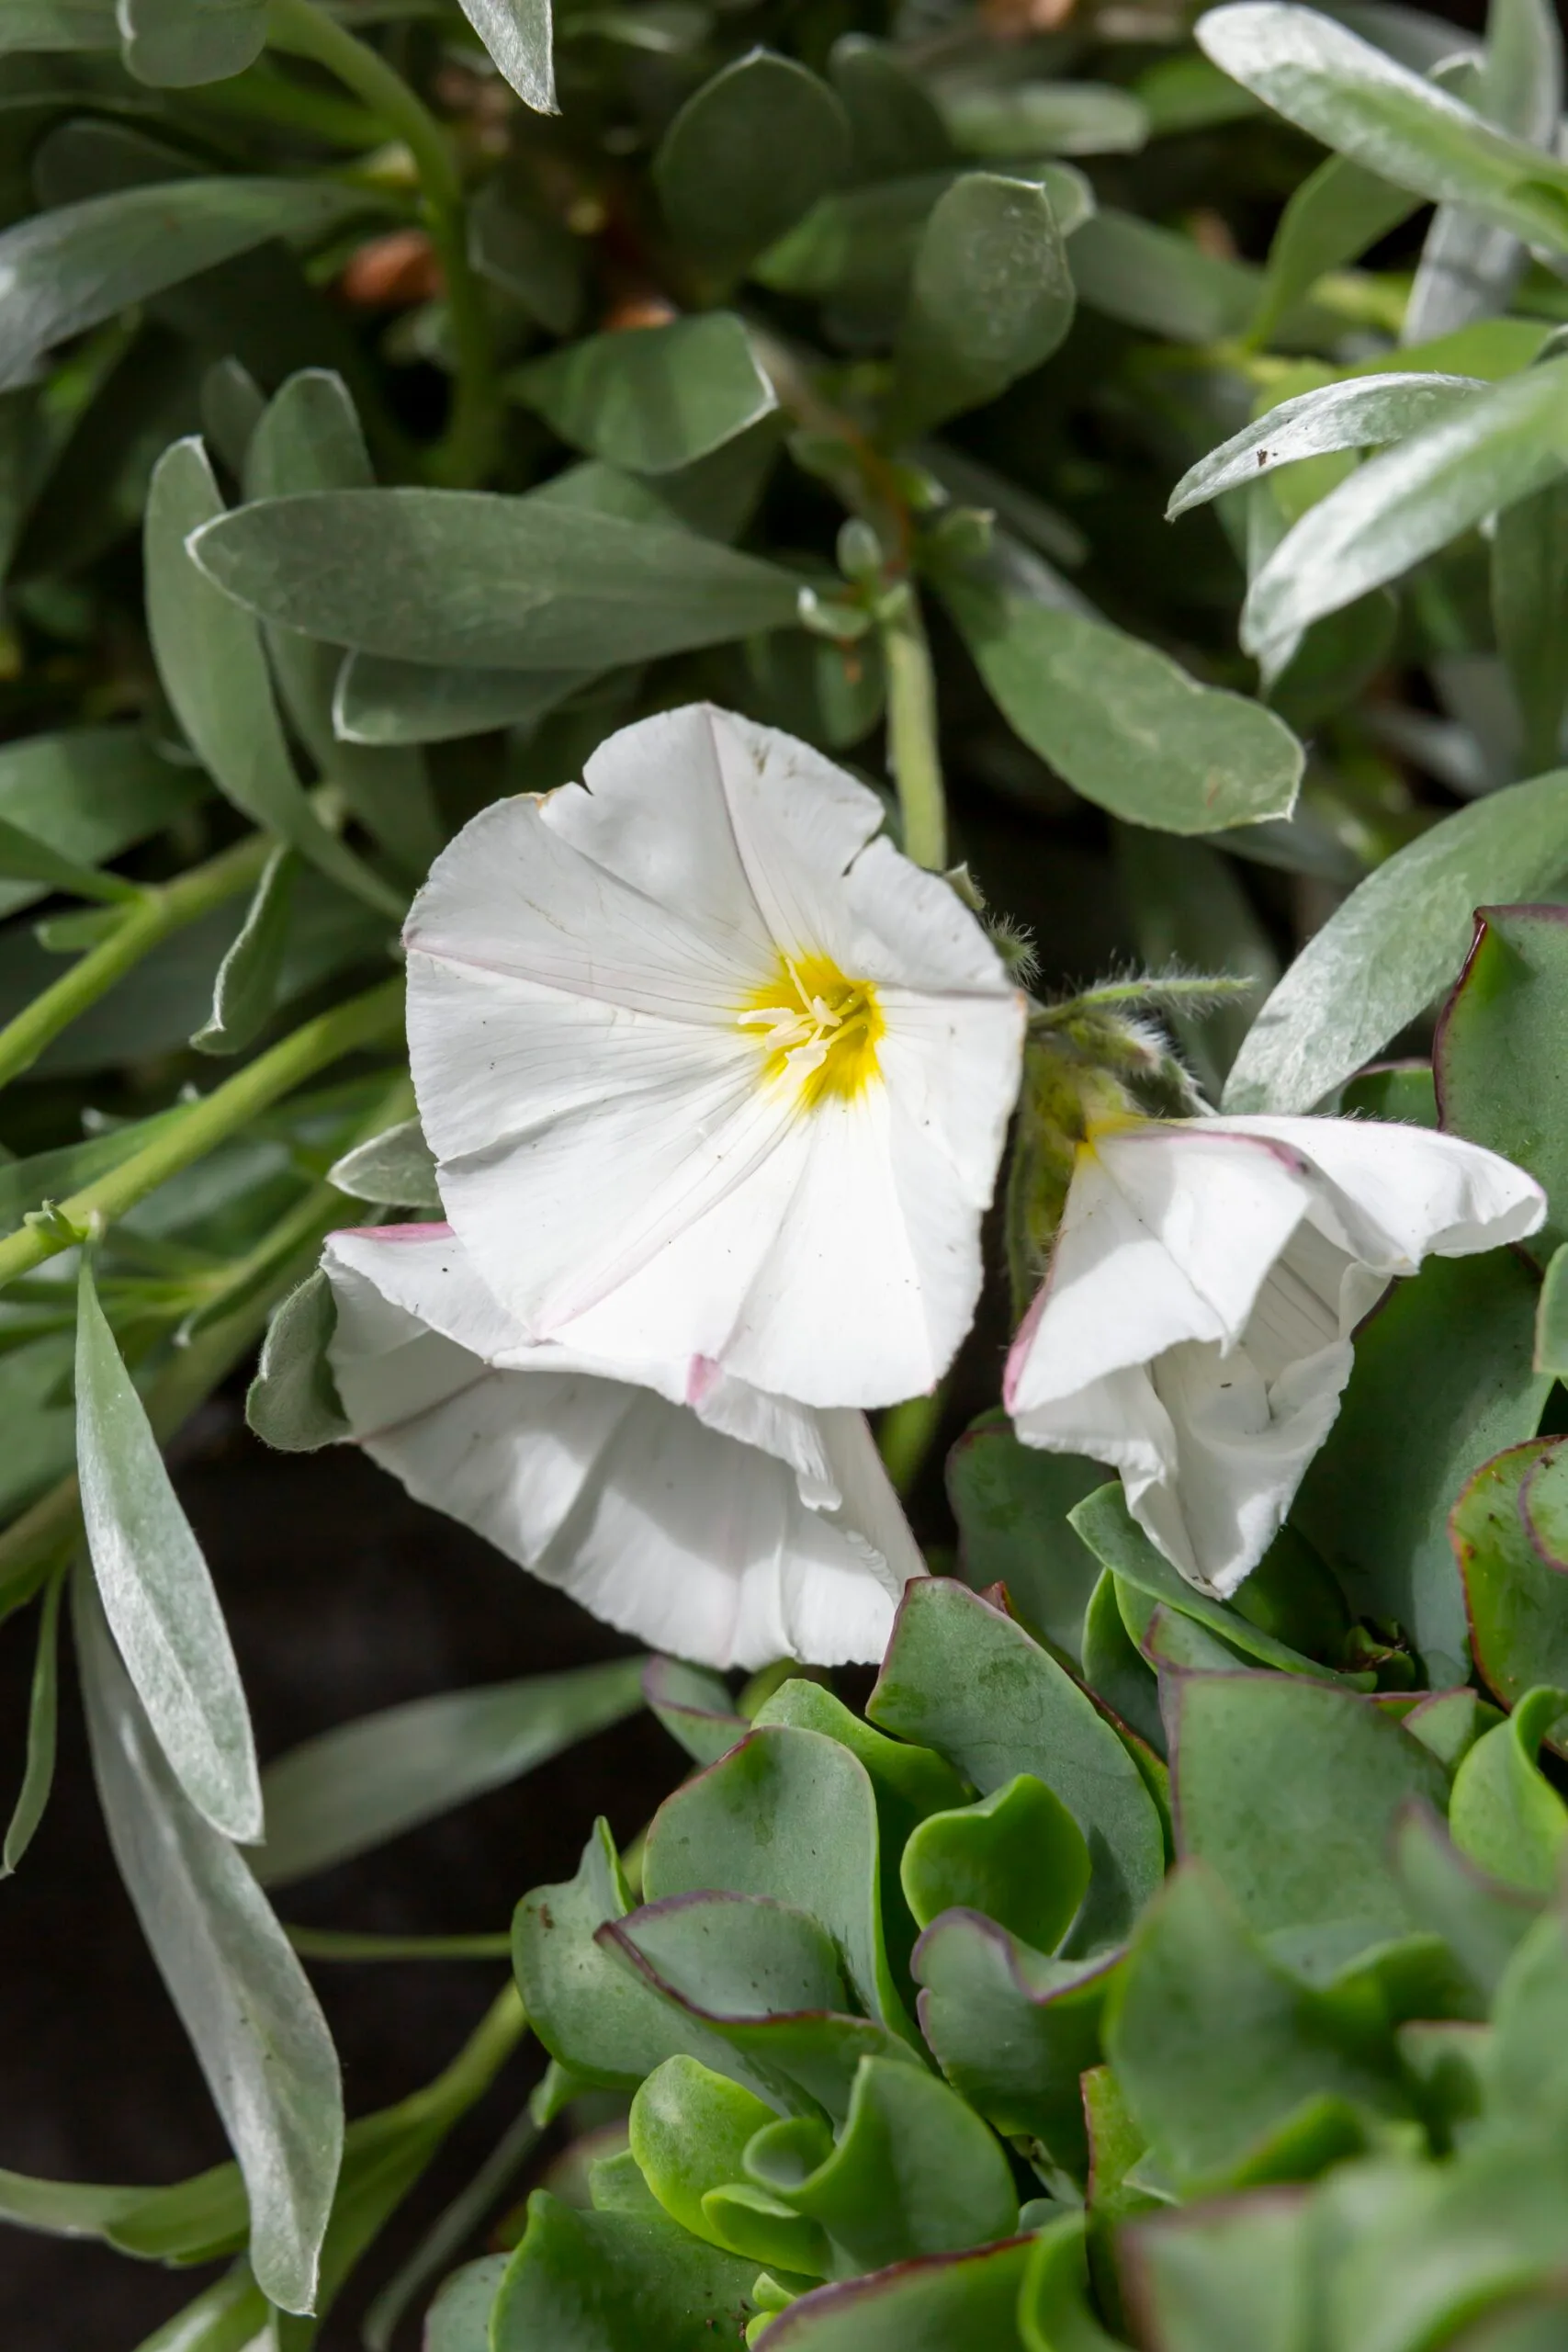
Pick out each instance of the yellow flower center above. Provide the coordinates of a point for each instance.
(819, 1031)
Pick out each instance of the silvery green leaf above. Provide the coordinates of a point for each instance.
(292, 1404)
(246, 988)
(1356, 413)
(398, 1167)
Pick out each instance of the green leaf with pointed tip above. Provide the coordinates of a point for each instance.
(1359, 413)
(396, 1166)
(947, 2301)
(309, 439)
(1515, 1566)
(1331, 218)
(693, 1706)
(378, 702)
(895, 125)
(1220, 2051)
(1499, 1059)
(750, 151)
(25, 858)
(616, 2282)
(43, 1710)
(1235, 2276)
(1450, 1722)
(1116, 1669)
(1121, 722)
(1012, 2030)
(1495, 448)
(1017, 1856)
(87, 794)
(1398, 940)
(655, 399)
(156, 1590)
(963, 1679)
(1503, 1813)
(1480, 1919)
(174, 44)
(293, 1403)
(1449, 1352)
(485, 582)
(791, 1816)
(689, 2133)
(1011, 1503)
(991, 299)
(518, 34)
(351, 1789)
(1354, 98)
(1288, 1788)
(72, 268)
(211, 661)
(914, 2173)
(246, 989)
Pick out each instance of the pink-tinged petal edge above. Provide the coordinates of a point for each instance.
(397, 1232)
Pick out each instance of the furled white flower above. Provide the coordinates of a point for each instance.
(731, 1530)
(1194, 1328)
(709, 1072)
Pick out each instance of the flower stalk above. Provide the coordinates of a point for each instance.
(913, 754)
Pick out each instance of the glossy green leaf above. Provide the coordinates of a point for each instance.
(1017, 1856)
(990, 298)
(1503, 1811)
(1354, 98)
(177, 43)
(156, 1590)
(1231, 2066)
(1121, 722)
(617, 2282)
(397, 1167)
(1012, 2030)
(227, 2317)
(963, 1679)
(293, 1403)
(241, 1993)
(1453, 1348)
(1333, 215)
(914, 2173)
(1496, 1057)
(211, 661)
(1529, 610)
(695, 1708)
(351, 1789)
(309, 439)
(747, 155)
(43, 1711)
(87, 794)
(483, 582)
(1496, 447)
(689, 2133)
(1402, 1091)
(380, 702)
(790, 1814)
(1358, 413)
(1011, 1503)
(895, 124)
(517, 34)
(69, 269)
(1400, 938)
(246, 988)
(1288, 1788)
(655, 399)
(1032, 118)
(956, 2299)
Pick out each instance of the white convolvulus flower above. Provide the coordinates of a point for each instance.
(731, 1530)
(708, 1071)
(1194, 1329)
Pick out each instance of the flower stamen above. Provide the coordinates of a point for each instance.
(819, 1029)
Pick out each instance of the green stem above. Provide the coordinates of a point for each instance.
(912, 733)
(335, 1943)
(469, 447)
(362, 1021)
(904, 1435)
(264, 95)
(156, 913)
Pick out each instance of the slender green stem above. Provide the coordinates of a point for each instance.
(157, 912)
(469, 447)
(335, 1943)
(362, 1021)
(912, 733)
(264, 95)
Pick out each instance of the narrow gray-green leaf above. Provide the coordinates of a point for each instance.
(1359, 102)
(246, 989)
(1331, 218)
(1468, 267)
(1159, 282)
(309, 439)
(397, 1167)
(157, 1592)
(747, 156)
(654, 399)
(517, 35)
(25, 858)
(1355, 414)
(1406, 504)
(1396, 943)
(1121, 722)
(211, 659)
(1530, 612)
(293, 1404)
(88, 793)
(369, 1780)
(177, 43)
(64, 270)
(991, 298)
(242, 1996)
(1046, 118)
(43, 1712)
(486, 582)
(382, 701)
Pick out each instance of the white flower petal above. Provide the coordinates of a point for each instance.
(1399, 1194)
(679, 1535)
(1221, 1206)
